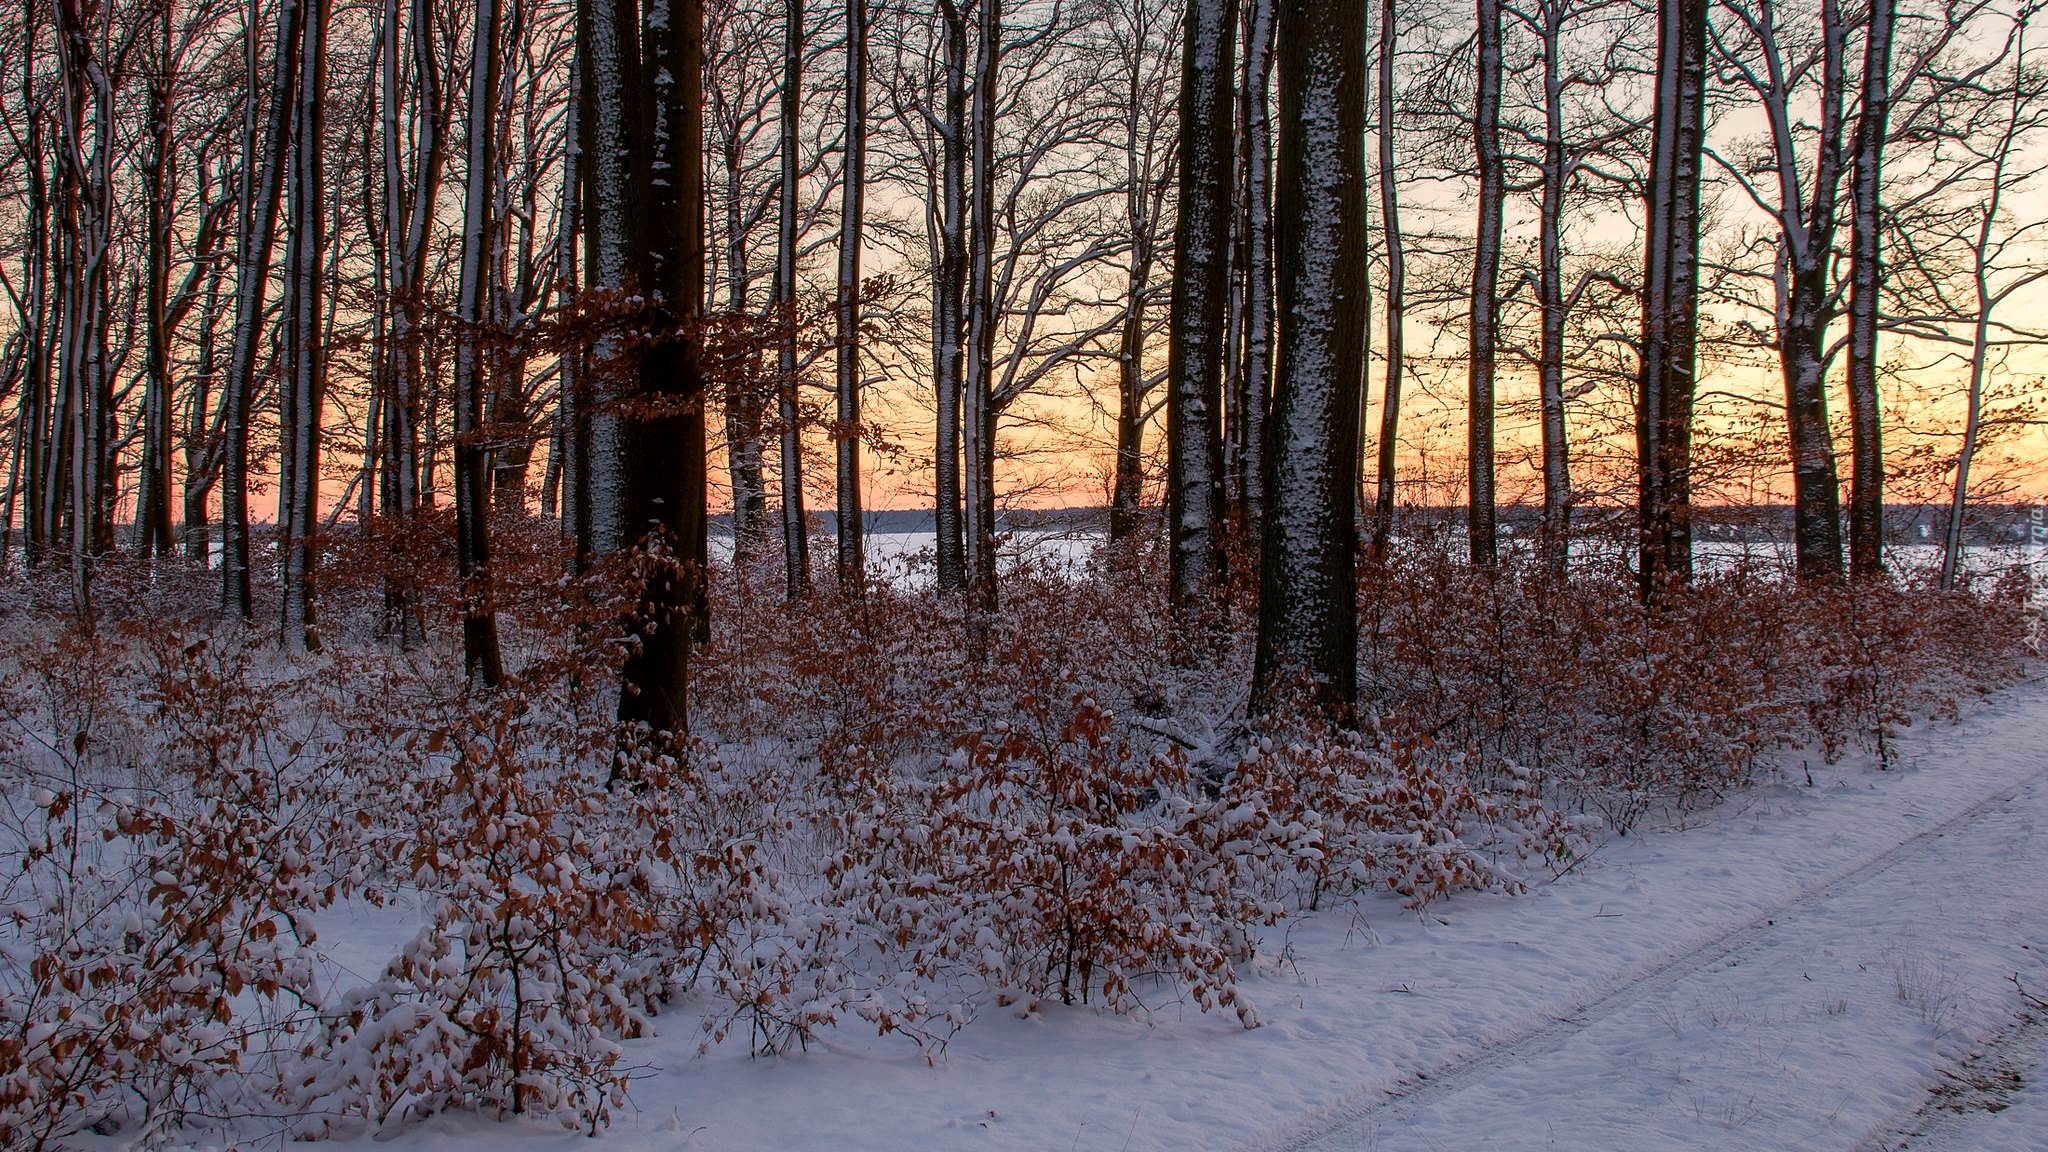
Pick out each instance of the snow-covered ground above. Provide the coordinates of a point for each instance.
(1810, 966)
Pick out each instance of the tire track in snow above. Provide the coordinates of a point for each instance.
(1327, 1129)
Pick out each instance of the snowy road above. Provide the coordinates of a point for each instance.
(1872, 1010)
(1825, 968)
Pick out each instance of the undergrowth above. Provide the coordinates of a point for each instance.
(894, 811)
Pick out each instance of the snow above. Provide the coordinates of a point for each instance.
(1797, 969)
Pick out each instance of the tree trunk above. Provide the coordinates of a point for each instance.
(153, 511)
(1479, 510)
(977, 384)
(645, 478)
(1201, 286)
(846, 306)
(1866, 275)
(796, 537)
(1255, 379)
(1671, 298)
(1806, 310)
(263, 171)
(303, 351)
(1554, 535)
(949, 284)
(480, 653)
(1308, 625)
(1397, 282)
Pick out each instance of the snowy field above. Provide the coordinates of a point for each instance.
(906, 557)
(1815, 966)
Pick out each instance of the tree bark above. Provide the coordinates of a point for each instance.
(303, 350)
(1308, 625)
(977, 384)
(796, 537)
(481, 656)
(1671, 299)
(263, 171)
(1255, 378)
(846, 436)
(1554, 533)
(1866, 277)
(1397, 281)
(1480, 514)
(949, 284)
(1201, 287)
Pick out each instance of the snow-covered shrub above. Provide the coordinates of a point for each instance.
(1045, 858)
(157, 951)
(550, 926)
(1350, 812)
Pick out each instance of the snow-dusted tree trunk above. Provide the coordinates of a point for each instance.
(1397, 281)
(480, 654)
(977, 382)
(1255, 376)
(796, 537)
(1485, 323)
(1664, 399)
(644, 481)
(1805, 204)
(266, 135)
(1201, 288)
(1308, 624)
(949, 284)
(611, 55)
(1866, 285)
(846, 436)
(302, 351)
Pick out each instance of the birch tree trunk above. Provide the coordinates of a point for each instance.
(1480, 513)
(846, 436)
(1308, 623)
(1866, 278)
(1671, 298)
(1198, 316)
(481, 657)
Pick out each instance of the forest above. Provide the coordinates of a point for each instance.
(443, 438)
